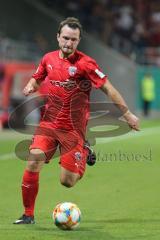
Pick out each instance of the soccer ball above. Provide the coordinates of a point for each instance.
(66, 216)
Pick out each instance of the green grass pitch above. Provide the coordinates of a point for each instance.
(119, 197)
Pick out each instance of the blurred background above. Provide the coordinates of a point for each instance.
(119, 197)
(123, 37)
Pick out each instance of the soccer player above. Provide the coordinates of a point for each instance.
(69, 76)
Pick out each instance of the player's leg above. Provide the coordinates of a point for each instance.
(73, 157)
(36, 159)
(41, 151)
(68, 178)
(71, 173)
(30, 181)
(30, 185)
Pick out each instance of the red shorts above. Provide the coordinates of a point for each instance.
(71, 145)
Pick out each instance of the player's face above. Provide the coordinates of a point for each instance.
(68, 40)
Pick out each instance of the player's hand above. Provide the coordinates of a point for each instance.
(29, 89)
(132, 120)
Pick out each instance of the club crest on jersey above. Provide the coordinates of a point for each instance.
(78, 156)
(72, 70)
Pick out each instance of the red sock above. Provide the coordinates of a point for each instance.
(30, 184)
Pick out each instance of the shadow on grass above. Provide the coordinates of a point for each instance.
(55, 229)
(123, 220)
(88, 230)
(85, 233)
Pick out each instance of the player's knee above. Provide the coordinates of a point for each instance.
(33, 165)
(37, 155)
(67, 182)
(35, 160)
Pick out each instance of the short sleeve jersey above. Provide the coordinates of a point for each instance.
(68, 83)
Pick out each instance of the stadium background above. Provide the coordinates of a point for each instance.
(124, 38)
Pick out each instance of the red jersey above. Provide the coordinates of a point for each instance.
(68, 83)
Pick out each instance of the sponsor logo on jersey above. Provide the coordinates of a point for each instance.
(72, 70)
(68, 84)
(78, 156)
(99, 73)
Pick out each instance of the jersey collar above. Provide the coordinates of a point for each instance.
(72, 59)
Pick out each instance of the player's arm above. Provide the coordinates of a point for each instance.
(31, 87)
(118, 100)
(39, 76)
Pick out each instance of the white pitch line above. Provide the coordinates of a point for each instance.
(7, 156)
(143, 132)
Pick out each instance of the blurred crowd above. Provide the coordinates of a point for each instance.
(129, 26)
(126, 25)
